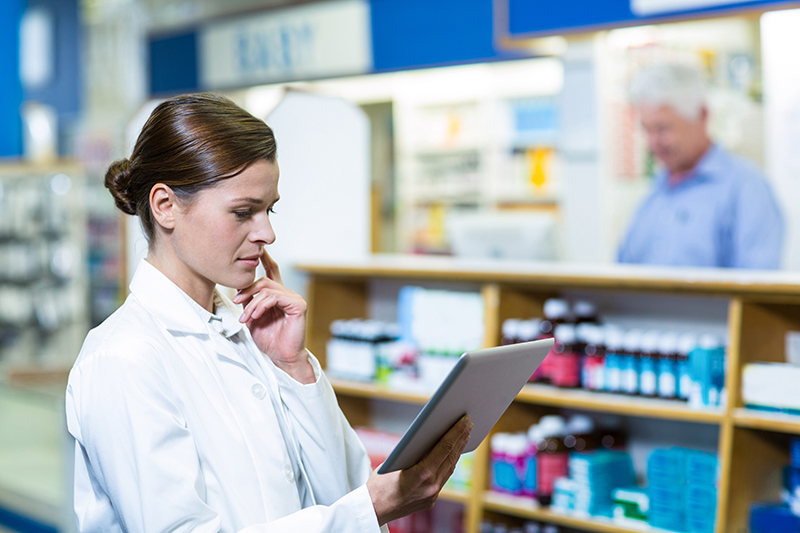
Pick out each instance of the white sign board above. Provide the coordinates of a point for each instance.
(310, 41)
(643, 8)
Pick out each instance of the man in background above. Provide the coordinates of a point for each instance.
(709, 208)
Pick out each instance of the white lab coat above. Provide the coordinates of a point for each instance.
(176, 431)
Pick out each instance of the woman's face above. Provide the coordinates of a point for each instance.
(219, 236)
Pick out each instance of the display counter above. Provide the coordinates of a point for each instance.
(754, 310)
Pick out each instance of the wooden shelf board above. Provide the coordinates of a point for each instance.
(454, 495)
(555, 397)
(378, 392)
(701, 281)
(617, 404)
(755, 419)
(530, 509)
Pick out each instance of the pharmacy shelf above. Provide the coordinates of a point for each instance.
(454, 495)
(769, 421)
(555, 397)
(530, 509)
(360, 389)
(762, 307)
(617, 404)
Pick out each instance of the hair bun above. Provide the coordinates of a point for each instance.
(118, 181)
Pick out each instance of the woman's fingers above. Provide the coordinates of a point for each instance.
(243, 295)
(270, 266)
(288, 302)
(449, 445)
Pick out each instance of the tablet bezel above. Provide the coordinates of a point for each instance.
(513, 364)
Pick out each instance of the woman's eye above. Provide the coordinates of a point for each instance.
(270, 211)
(242, 214)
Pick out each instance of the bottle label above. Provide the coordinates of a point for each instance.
(550, 467)
(613, 378)
(666, 384)
(630, 380)
(565, 369)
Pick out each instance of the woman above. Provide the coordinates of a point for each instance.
(191, 413)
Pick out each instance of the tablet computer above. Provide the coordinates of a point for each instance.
(482, 384)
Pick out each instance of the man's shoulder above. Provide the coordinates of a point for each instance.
(737, 168)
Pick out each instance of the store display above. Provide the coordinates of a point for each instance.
(487, 526)
(770, 517)
(771, 386)
(648, 363)
(43, 315)
(631, 506)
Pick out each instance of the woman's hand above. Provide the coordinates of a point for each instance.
(402, 493)
(276, 317)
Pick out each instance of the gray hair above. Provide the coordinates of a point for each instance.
(681, 87)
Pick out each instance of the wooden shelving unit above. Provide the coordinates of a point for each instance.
(761, 309)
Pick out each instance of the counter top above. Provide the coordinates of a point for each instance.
(558, 274)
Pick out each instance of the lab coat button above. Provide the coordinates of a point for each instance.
(258, 391)
(289, 473)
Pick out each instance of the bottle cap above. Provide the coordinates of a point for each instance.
(517, 444)
(668, 343)
(686, 343)
(552, 426)
(528, 330)
(580, 425)
(709, 342)
(614, 337)
(584, 309)
(556, 308)
(565, 333)
(632, 340)
(511, 328)
(649, 342)
(534, 435)
(583, 332)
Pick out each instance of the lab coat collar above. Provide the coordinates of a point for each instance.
(166, 301)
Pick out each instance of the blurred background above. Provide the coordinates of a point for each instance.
(496, 129)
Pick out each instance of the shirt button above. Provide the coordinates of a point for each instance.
(289, 473)
(258, 391)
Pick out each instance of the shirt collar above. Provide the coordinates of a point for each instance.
(176, 309)
(707, 169)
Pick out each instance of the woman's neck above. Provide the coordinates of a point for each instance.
(199, 289)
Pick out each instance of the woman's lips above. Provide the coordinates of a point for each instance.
(251, 262)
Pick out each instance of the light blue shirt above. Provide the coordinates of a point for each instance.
(723, 215)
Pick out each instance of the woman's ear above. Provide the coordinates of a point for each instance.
(163, 205)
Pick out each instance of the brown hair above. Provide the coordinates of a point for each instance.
(189, 143)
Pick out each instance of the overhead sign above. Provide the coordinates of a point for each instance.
(644, 8)
(310, 41)
(520, 19)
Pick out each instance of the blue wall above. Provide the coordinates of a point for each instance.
(64, 92)
(10, 86)
(418, 33)
(532, 17)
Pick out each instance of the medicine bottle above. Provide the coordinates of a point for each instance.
(594, 357)
(510, 331)
(612, 375)
(585, 312)
(686, 343)
(581, 435)
(552, 458)
(529, 481)
(648, 360)
(556, 312)
(612, 433)
(530, 330)
(667, 368)
(631, 346)
(564, 365)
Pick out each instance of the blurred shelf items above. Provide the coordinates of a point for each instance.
(654, 411)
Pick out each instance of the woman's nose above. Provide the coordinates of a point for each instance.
(264, 232)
